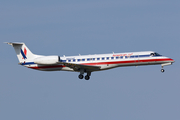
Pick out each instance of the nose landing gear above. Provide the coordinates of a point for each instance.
(162, 70)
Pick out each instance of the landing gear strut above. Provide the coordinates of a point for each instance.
(87, 77)
(162, 70)
(81, 76)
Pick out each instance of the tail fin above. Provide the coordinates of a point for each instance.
(22, 51)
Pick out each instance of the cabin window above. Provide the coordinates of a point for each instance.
(69, 60)
(103, 58)
(83, 59)
(98, 58)
(74, 60)
(79, 60)
(112, 58)
(121, 57)
(117, 57)
(107, 58)
(88, 59)
(94, 58)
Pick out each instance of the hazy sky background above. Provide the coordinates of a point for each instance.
(90, 27)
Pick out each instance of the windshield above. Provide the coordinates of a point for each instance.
(155, 54)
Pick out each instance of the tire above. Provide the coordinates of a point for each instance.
(81, 76)
(87, 77)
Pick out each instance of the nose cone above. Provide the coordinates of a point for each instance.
(171, 60)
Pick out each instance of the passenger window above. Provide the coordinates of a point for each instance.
(94, 58)
(69, 60)
(107, 58)
(83, 59)
(117, 57)
(98, 58)
(74, 60)
(103, 58)
(79, 60)
(112, 57)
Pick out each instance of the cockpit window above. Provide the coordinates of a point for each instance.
(155, 54)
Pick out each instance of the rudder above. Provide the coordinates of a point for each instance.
(22, 52)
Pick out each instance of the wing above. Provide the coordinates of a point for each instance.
(77, 67)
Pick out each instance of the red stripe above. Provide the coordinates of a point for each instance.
(104, 63)
(130, 61)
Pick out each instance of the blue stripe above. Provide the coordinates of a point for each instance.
(24, 56)
(135, 56)
(28, 63)
(144, 55)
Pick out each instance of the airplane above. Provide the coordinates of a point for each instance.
(87, 63)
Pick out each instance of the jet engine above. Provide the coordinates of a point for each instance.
(47, 60)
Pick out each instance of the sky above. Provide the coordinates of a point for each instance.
(90, 27)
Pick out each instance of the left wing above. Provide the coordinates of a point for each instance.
(77, 67)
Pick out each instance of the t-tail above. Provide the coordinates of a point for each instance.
(22, 52)
(26, 57)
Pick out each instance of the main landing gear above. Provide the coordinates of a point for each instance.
(81, 76)
(87, 77)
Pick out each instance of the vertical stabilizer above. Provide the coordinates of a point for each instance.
(22, 51)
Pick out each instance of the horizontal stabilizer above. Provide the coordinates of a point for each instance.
(13, 43)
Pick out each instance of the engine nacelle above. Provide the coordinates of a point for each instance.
(47, 60)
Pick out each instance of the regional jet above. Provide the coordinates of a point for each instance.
(87, 63)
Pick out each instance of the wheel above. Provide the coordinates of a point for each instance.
(81, 76)
(87, 77)
(162, 70)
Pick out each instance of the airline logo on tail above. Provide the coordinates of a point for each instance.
(24, 53)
